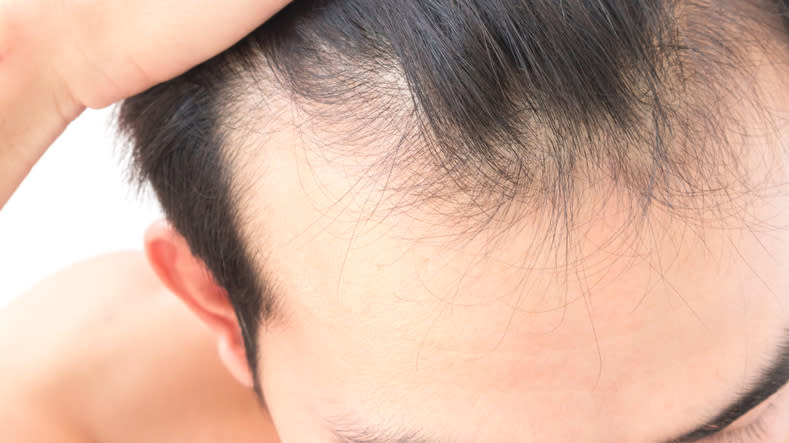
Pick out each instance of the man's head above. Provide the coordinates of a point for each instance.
(484, 220)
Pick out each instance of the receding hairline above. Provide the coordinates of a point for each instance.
(450, 169)
(405, 151)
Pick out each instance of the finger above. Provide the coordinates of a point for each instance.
(124, 47)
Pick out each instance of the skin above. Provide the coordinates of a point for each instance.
(390, 322)
(480, 338)
(56, 59)
(635, 355)
(119, 360)
(657, 328)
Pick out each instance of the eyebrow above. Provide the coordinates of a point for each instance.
(770, 382)
(369, 435)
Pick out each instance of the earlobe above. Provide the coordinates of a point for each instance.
(187, 277)
(231, 352)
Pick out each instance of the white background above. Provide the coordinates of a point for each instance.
(74, 205)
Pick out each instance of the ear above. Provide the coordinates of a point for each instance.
(188, 278)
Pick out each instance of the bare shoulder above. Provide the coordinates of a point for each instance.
(112, 275)
(104, 333)
(52, 335)
(74, 307)
(81, 289)
(71, 320)
(21, 423)
(101, 312)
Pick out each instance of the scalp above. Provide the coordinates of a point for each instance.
(476, 111)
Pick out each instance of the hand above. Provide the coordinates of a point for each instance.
(106, 50)
(57, 57)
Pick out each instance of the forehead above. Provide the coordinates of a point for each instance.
(510, 326)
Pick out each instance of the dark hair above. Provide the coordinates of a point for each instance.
(502, 100)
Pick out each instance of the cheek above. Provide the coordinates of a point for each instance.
(292, 395)
(288, 400)
(782, 416)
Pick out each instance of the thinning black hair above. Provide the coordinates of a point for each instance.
(498, 101)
